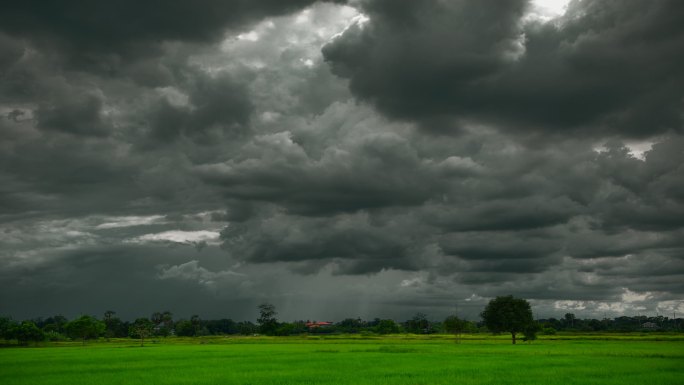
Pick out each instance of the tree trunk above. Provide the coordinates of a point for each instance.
(513, 334)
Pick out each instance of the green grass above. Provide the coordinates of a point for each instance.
(400, 359)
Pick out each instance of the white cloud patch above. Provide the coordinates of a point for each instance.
(460, 164)
(129, 221)
(639, 149)
(613, 307)
(545, 10)
(412, 282)
(192, 271)
(357, 20)
(270, 42)
(569, 305)
(674, 307)
(179, 236)
(631, 303)
(174, 96)
(249, 36)
(475, 298)
(629, 296)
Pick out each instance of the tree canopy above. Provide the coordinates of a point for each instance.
(26, 332)
(508, 314)
(85, 327)
(142, 328)
(268, 324)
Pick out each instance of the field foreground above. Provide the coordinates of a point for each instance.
(393, 360)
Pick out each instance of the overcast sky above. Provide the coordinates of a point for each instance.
(371, 158)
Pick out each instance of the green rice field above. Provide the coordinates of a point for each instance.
(351, 360)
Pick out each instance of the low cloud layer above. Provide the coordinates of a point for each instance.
(368, 159)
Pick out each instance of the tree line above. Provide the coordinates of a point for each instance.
(502, 315)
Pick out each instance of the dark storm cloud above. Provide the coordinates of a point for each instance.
(559, 205)
(514, 214)
(120, 277)
(215, 104)
(10, 51)
(381, 170)
(111, 31)
(352, 242)
(77, 171)
(77, 114)
(74, 142)
(409, 56)
(131, 150)
(645, 195)
(606, 66)
(498, 246)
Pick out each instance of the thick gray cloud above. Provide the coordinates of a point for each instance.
(106, 36)
(380, 169)
(216, 105)
(351, 243)
(209, 167)
(80, 115)
(605, 66)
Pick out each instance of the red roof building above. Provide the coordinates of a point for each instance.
(314, 324)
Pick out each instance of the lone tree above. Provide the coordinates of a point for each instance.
(142, 328)
(508, 314)
(267, 319)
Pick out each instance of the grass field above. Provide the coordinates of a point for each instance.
(355, 360)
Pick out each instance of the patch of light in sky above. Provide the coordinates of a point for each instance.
(178, 236)
(639, 149)
(117, 222)
(302, 33)
(546, 10)
(303, 17)
(249, 36)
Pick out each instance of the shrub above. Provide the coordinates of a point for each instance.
(27, 332)
(52, 335)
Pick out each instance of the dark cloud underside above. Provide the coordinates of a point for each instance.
(604, 67)
(371, 159)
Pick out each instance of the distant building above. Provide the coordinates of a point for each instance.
(649, 325)
(315, 325)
